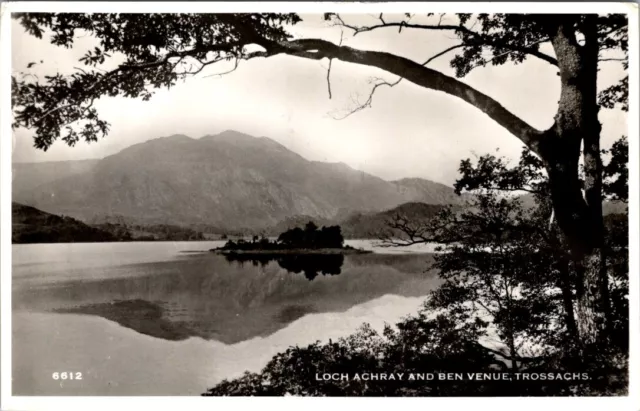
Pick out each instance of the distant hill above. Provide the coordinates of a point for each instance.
(363, 225)
(436, 193)
(231, 180)
(30, 225)
(371, 225)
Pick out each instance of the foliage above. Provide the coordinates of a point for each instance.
(501, 269)
(139, 53)
(616, 173)
(431, 346)
(311, 237)
(150, 51)
(418, 345)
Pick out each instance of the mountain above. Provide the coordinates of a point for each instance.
(362, 224)
(373, 224)
(30, 225)
(229, 180)
(436, 193)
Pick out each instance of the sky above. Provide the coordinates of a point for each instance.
(408, 132)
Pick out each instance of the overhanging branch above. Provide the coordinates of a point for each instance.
(317, 49)
(478, 38)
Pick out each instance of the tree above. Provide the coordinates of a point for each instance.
(421, 345)
(507, 260)
(160, 49)
(312, 237)
(504, 278)
(501, 270)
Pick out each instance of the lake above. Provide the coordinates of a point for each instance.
(156, 318)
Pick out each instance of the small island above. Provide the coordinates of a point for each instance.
(310, 240)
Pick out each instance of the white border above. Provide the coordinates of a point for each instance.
(8, 402)
(6, 148)
(317, 7)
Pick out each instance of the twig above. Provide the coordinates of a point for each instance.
(328, 79)
(369, 100)
(235, 66)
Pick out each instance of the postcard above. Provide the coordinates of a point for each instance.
(426, 200)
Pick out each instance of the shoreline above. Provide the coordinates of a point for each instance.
(295, 251)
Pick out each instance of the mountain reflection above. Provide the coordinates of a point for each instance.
(207, 296)
(309, 264)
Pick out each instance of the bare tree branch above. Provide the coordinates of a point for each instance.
(369, 100)
(328, 78)
(478, 37)
(235, 66)
(330, 61)
(402, 232)
(317, 49)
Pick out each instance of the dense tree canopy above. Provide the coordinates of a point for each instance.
(150, 51)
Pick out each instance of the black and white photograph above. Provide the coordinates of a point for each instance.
(320, 200)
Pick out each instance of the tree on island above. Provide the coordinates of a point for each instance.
(296, 238)
(312, 237)
(160, 49)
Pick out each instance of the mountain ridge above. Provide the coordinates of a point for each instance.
(231, 180)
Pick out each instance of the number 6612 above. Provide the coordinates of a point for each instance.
(67, 375)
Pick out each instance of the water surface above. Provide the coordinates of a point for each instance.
(152, 319)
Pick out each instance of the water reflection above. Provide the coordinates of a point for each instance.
(309, 264)
(208, 296)
(140, 315)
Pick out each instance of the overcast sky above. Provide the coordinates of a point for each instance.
(408, 132)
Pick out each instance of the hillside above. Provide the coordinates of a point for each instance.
(230, 180)
(30, 225)
(436, 193)
(373, 224)
(362, 225)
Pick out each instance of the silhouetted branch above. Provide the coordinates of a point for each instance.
(328, 78)
(414, 232)
(478, 38)
(235, 66)
(369, 100)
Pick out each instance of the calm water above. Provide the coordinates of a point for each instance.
(156, 319)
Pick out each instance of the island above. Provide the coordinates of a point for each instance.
(309, 240)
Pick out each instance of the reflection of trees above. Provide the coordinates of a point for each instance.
(309, 264)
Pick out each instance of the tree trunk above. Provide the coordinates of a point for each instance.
(567, 301)
(579, 216)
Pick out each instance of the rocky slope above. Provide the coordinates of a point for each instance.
(230, 180)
